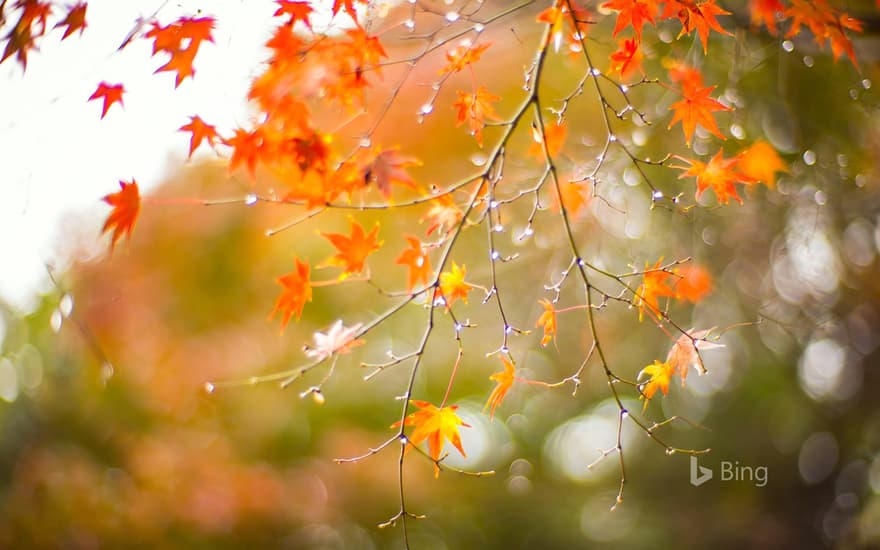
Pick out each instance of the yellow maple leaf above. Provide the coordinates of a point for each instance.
(453, 285)
(434, 425)
(505, 380)
(659, 376)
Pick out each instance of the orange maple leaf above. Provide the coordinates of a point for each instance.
(435, 425)
(298, 11)
(659, 375)
(296, 291)
(554, 134)
(417, 260)
(696, 107)
(826, 23)
(181, 40)
(126, 205)
(627, 60)
(110, 93)
(632, 12)
(548, 321)
(766, 12)
(75, 20)
(463, 55)
(347, 6)
(760, 162)
(578, 19)
(505, 380)
(696, 14)
(476, 109)
(200, 131)
(246, 148)
(453, 285)
(444, 214)
(575, 197)
(354, 249)
(693, 283)
(718, 174)
(654, 285)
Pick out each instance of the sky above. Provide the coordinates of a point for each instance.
(59, 158)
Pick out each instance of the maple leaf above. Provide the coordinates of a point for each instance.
(574, 197)
(548, 321)
(110, 93)
(444, 215)
(555, 136)
(31, 25)
(696, 107)
(298, 11)
(435, 425)
(453, 285)
(696, 14)
(347, 6)
(760, 162)
(181, 63)
(686, 352)
(353, 250)
(681, 73)
(171, 39)
(417, 260)
(246, 148)
(75, 20)
(826, 23)
(463, 55)
(338, 339)
(476, 109)
(632, 12)
(126, 205)
(296, 291)
(766, 12)
(718, 174)
(200, 131)
(389, 167)
(693, 283)
(659, 375)
(505, 380)
(557, 16)
(627, 60)
(654, 285)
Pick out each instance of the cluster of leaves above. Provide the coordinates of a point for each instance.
(316, 70)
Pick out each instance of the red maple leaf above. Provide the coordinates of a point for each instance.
(200, 132)
(75, 20)
(110, 93)
(387, 167)
(627, 60)
(354, 249)
(181, 40)
(298, 11)
(766, 12)
(126, 205)
(632, 12)
(696, 14)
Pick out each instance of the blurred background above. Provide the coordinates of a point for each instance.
(109, 439)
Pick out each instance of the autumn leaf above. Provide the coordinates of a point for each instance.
(654, 285)
(110, 93)
(659, 375)
(296, 291)
(554, 134)
(632, 12)
(476, 109)
(505, 380)
(548, 321)
(444, 214)
(827, 24)
(297, 11)
(766, 12)
(347, 6)
(354, 249)
(23, 35)
(75, 20)
(627, 60)
(453, 285)
(246, 148)
(686, 352)
(575, 197)
(388, 167)
(126, 205)
(435, 425)
(557, 16)
(337, 340)
(463, 55)
(181, 41)
(696, 107)
(760, 162)
(696, 14)
(200, 131)
(718, 174)
(693, 283)
(417, 260)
